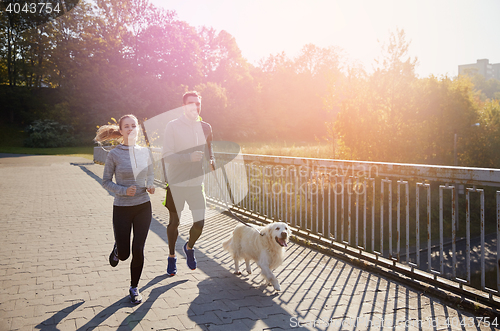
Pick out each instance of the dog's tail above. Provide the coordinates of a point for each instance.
(228, 245)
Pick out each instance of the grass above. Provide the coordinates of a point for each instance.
(314, 150)
(85, 152)
(11, 141)
(321, 151)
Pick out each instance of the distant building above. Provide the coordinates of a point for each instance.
(483, 67)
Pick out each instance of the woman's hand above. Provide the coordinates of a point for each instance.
(150, 189)
(131, 190)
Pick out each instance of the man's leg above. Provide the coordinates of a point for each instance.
(172, 232)
(175, 204)
(174, 221)
(197, 204)
(195, 233)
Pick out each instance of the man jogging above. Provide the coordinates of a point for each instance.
(186, 141)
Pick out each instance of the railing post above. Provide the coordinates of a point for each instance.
(261, 194)
(498, 241)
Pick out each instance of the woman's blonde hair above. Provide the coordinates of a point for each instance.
(112, 131)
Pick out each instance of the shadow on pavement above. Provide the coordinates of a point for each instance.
(50, 324)
(83, 167)
(318, 291)
(133, 319)
(130, 322)
(223, 298)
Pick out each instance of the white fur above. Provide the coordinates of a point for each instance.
(249, 245)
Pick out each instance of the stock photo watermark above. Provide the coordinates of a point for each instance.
(304, 179)
(363, 322)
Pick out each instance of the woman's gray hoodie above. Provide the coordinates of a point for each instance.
(131, 165)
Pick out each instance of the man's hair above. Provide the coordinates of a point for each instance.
(190, 94)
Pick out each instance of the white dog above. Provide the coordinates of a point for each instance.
(266, 248)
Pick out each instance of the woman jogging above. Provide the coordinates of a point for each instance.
(132, 167)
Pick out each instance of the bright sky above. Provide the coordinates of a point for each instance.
(443, 33)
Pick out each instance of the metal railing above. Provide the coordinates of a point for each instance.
(436, 223)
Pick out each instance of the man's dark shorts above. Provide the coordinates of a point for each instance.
(193, 195)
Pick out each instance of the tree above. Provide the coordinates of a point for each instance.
(490, 89)
(445, 107)
(480, 146)
(224, 65)
(292, 91)
(375, 111)
(214, 109)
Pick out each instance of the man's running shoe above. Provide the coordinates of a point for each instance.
(190, 259)
(135, 297)
(171, 266)
(113, 257)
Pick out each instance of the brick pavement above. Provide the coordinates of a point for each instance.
(56, 235)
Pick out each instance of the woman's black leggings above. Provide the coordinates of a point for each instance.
(135, 218)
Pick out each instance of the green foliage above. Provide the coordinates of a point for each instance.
(291, 92)
(214, 106)
(49, 134)
(393, 116)
(446, 107)
(11, 136)
(107, 58)
(489, 89)
(376, 119)
(481, 147)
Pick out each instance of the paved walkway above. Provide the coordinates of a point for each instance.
(56, 234)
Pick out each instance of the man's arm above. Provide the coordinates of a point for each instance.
(209, 138)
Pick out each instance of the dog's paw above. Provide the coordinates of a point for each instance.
(237, 272)
(249, 271)
(276, 285)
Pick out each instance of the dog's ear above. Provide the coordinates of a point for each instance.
(267, 229)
